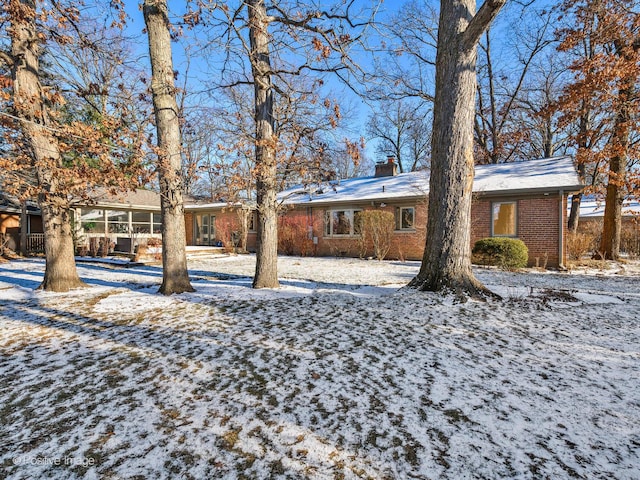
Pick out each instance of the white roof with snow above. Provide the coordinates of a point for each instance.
(544, 175)
(593, 207)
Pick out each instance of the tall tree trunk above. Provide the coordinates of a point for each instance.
(612, 224)
(576, 200)
(574, 213)
(60, 272)
(175, 276)
(243, 219)
(266, 275)
(446, 264)
(616, 180)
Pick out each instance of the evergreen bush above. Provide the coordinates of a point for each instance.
(507, 253)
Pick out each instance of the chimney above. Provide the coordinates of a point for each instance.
(388, 168)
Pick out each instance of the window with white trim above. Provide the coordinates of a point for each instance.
(405, 218)
(504, 219)
(340, 223)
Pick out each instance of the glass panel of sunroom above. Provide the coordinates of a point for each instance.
(141, 222)
(92, 220)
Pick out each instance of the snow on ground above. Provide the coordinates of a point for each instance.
(339, 374)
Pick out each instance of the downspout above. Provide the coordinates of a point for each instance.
(561, 232)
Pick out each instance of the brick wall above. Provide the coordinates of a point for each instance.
(406, 245)
(226, 222)
(538, 224)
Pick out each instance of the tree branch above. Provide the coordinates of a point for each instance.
(6, 59)
(481, 21)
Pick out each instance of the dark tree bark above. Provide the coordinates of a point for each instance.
(29, 102)
(266, 275)
(576, 200)
(446, 264)
(175, 276)
(612, 224)
(617, 178)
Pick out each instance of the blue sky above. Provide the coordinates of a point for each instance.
(198, 69)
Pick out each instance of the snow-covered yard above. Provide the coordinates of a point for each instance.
(336, 375)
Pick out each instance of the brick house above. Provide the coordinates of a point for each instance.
(525, 200)
(219, 224)
(128, 219)
(118, 222)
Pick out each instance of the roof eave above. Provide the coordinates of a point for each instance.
(324, 202)
(115, 206)
(565, 189)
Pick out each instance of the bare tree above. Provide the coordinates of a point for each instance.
(498, 138)
(446, 264)
(404, 56)
(285, 40)
(266, 275)
(175, 276)
(403, 132)
(537, 131)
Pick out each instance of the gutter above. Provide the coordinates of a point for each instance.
(529, 191)
(353, 201)
(404, 198)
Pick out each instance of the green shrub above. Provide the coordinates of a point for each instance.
(507, 253)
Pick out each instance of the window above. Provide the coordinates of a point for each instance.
(141, 222)
(405, 218)
(340, 223)
(503, 219)
(157, 223)
(253, 221)
(118, 221)
(92, 221)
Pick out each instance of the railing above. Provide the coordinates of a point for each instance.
(35, 243)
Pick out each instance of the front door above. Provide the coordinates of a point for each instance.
(205, 229)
